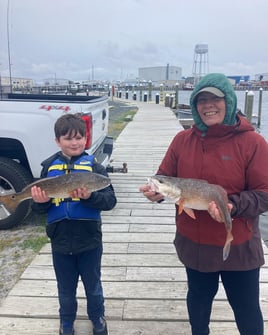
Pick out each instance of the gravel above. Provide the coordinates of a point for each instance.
(17, 251)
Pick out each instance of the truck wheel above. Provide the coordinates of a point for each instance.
(13, 178)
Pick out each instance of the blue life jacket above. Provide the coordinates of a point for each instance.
(70, 208)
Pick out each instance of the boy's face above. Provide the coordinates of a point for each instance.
(71, 145)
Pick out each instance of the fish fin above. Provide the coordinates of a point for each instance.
(227, 246)
(181, 208)
(190, 212)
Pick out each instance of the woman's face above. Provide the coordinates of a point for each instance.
(211, 108)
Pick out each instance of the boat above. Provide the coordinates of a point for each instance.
(184, 115)
(188, 87)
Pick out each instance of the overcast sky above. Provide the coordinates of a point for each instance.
(111, 39)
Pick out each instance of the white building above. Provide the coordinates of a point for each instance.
(17, 83)
(160, 74)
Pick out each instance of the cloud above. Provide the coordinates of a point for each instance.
(115, 38)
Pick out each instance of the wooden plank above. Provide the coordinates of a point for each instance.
(152, 228)
(25, 326)
(24, 307)
(47, 273)
(123, 260)
(151, 248)
(128, 273)
(130, 248)
(139, 219)
(174, 310)
(124, 290)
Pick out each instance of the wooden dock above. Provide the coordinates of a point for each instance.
(144, 283)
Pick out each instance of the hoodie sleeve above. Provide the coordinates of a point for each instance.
(249, 203)
(253, 200)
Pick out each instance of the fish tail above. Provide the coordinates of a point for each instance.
(10, 202)
(227, 246)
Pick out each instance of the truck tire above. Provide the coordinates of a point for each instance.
(13, 178)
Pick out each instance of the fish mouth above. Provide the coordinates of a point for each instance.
(152, 184)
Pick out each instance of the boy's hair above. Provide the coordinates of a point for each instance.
(70, 124)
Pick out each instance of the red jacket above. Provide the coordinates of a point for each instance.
(235, 157)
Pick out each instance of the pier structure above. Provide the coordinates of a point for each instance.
(144, 283)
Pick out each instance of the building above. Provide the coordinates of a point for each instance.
(160, 74)
(18, 84)
(240, 79)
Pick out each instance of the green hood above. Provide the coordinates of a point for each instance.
(221, 82)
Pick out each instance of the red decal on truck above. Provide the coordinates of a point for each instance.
(50, 107)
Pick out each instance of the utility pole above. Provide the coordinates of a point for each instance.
(8, 49)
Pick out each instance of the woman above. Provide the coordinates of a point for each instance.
(222, 148)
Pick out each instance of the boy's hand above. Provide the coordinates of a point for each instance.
(39, 195)
(81, 193)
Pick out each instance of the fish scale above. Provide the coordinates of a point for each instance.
(57, 187)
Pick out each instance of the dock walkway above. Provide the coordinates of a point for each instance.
(144, 283)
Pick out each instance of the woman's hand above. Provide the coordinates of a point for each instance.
(151, 195)
(215, 213)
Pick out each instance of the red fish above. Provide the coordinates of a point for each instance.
(191, 194)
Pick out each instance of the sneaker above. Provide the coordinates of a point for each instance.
(100, 327)
(69, 331)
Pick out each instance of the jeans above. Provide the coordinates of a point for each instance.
(68, 268)
(242, 290)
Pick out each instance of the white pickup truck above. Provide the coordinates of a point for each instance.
(27, 138)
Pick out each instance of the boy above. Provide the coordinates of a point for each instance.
(74, 226)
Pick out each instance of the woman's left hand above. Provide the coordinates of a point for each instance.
(215, 213)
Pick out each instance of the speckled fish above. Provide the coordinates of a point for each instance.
(191, 194)
(57, 187)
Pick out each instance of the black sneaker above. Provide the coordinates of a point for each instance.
(100, 327)
(66, 331)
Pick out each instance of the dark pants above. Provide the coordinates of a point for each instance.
(242, 290)
(68, 268)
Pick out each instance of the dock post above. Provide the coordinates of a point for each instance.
(249, 105)
(161, 93)
(167, 100)
(245, 104)
(145, 97)
(140, 92)
(259, 108)
(177, 96)
(150, 91)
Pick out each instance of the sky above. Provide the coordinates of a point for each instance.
(111, 39)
